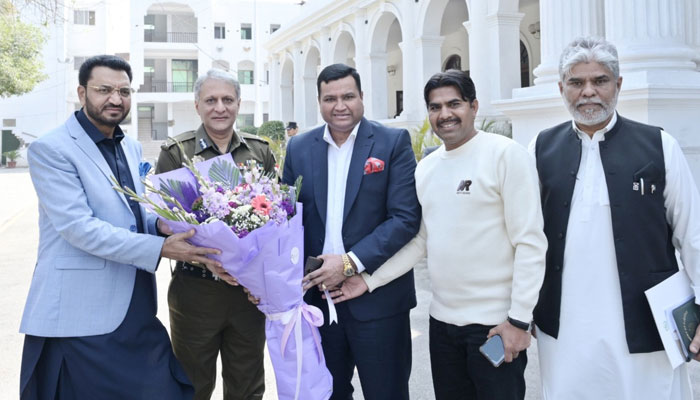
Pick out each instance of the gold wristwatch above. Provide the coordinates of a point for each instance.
(348, 270)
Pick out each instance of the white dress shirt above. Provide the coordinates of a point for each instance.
(338, 166)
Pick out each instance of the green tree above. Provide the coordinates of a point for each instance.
(20, 53)
(272, 129)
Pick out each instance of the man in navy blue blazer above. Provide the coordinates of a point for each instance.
(360, 207)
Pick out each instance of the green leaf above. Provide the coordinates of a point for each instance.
(297, 188)
(225, 173)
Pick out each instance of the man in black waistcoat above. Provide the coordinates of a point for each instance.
(618, 200)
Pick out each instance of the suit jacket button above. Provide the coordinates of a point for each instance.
(561, 235)
(566, 203)
(557, 268)
(132, 228)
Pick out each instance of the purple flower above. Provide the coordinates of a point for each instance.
(200, 215)
(287, 206)
(183, 192)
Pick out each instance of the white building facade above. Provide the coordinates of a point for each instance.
(510, 48)
(79, 31)
(168, 44)
(172, 43)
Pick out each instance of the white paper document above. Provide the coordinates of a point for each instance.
(663, 298)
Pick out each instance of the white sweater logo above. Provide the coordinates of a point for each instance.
(463, 187)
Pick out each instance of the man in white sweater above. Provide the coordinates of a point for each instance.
(482, 233)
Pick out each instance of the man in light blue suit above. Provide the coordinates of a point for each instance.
(90, 317)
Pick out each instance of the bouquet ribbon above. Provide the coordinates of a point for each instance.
(291, 320)
(332, 314)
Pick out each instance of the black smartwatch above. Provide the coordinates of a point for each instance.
(519, 324)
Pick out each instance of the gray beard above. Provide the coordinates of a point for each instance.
(592, 118)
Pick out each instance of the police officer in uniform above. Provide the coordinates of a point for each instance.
(207, 315)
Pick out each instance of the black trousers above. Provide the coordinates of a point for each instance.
(460, 371)
(381, 350)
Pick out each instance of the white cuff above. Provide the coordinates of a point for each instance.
(358, 263)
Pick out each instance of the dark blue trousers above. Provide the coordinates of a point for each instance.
(135, 361)
(460, 371)
(381, 350)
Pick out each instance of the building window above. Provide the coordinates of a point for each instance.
(245, 120)
(83, 17)
(78, 61)
(220, 31)
(184, 74)
(9, 123)
(245, 77)
(246, 31)
(274, 28)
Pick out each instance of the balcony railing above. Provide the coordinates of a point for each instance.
(167, 87)
(169, 37)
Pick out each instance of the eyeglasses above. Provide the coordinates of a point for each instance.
(106, 90)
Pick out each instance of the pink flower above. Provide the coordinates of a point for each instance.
(261, 204)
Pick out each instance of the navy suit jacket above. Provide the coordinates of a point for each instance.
(381, 212)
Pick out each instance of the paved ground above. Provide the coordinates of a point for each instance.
(18, 243)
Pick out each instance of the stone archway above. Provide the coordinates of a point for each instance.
(443, 35)
(386, 67)
(344, 51)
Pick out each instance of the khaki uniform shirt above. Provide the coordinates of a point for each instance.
(243, 147)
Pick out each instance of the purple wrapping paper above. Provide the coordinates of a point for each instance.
(269, 262)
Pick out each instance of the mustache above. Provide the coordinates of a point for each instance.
(590, 101)
(110, 105)
(448, 120)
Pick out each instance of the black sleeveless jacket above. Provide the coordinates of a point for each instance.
(631, 154)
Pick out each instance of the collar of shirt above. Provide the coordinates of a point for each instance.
(95, 133)
(329, 139)
(598, 135)
(203, 141)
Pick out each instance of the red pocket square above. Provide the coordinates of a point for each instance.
(373, 165)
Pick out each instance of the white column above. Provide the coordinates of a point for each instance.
(649, 35)
(326, 48)
(413, 105)
(692, 27)
(504, 32)
(560, 23)
(170, 118)
(311, 110)
(363, 62)
(378, 90)
(258, 79)
(275, 87)
(134, 131)
(299, 105)
(480, 55)
(428, 49)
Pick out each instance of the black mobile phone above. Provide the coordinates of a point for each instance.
(312, 264)
(493, 350)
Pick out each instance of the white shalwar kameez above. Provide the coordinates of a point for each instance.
(590, 359)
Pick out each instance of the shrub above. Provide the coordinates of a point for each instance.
(272, 129)
(249, 129)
